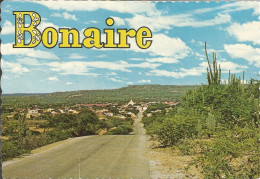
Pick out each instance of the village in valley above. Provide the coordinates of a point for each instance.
(37, 114)
(103, 110)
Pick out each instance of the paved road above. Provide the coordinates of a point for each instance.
(121, 156)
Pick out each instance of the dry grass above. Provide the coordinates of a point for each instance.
(101, 131)
(4, 138)
(168, 163)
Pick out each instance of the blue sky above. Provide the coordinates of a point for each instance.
(176, 56)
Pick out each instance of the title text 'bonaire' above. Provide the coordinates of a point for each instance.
(70, 37)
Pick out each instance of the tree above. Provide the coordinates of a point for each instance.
(87, 123)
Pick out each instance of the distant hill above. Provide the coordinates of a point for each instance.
(23, 94)
(122, 95)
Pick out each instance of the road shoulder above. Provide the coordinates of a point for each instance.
(165, 163)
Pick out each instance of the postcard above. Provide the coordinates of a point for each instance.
(130, 89)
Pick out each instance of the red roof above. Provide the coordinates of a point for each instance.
(90, 105)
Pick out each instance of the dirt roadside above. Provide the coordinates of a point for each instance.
(166, 164)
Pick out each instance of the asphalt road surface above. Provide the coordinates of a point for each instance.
(107, 156)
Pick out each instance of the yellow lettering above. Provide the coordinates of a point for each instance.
(49, 34)
(20, 29)
(110, 39)
(142, 33)
(92, 38)
(70, 37)
(123, 37)
(65, 38)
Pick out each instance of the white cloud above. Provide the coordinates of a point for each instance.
(197, 71)
(129, 82)
(137, 59)
(94, 22)
(249, 31)
(5, 76)
(15, 68)
(143, 65)
(65, 15)
(247, 52)
(8, 28)
(157, 23)
(166, 46)
(226, 66)
(118, 6)
(68, 83)
(72, 68)
(197, 43)
(162, 45)
(7, 11)
(116, 80)
(56, 14)
(76, 56)
(112, 74)
(200, 56)
(176, 74)
(211, 50)
(53, 78)
(144, 81)
(119, 21)
(7, 49)
(162, 60)
(231, 7)
(28, 61)
(83, 68)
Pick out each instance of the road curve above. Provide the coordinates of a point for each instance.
(107, 156)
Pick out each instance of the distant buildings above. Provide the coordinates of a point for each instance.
(72, 111)
(103, 110)
(92, 105)
(171, 103)
(131, 102)
(33, 113)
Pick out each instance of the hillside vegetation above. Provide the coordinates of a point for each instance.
(138, 93)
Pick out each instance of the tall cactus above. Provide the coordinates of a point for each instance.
(257, 109)
(229, 77)
(214, 77)
(219, 74)
(243, 77)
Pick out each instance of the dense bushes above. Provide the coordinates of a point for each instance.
(231, 154)
(116, 126)
(10, 149)
(224, 122)
(63, 126)
(218, 123)
(154, 107)
(171, 129)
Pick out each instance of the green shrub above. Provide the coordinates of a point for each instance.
(186, 146)
(11, 149)
(232, 154)
(121, 130)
